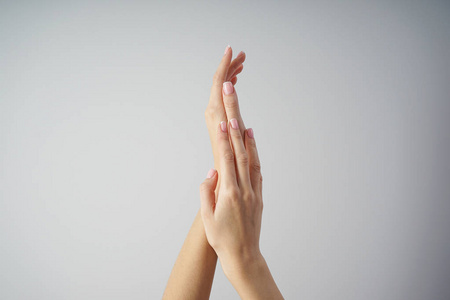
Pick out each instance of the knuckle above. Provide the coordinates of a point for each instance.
(248, 196)
(217, 78)
(208, 115)
(222, 136)
(230, 103)
(251, 146)
(228, 156)
(204, 187)
(242, 158)
(256, 167)
(234, 193)
(236, 134)
(209, 112)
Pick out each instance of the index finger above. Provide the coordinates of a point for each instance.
(231, 104)
(219, 78)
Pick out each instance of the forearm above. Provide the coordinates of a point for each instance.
(193, 272)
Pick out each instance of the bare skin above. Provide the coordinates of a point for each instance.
(231, 205)
(222, 108)
(232, 215)
(193, 272)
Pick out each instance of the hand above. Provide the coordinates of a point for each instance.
(193, 272)
(220, 107)
(231, 204)
(232, 218)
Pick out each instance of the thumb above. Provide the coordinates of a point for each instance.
(207, 195)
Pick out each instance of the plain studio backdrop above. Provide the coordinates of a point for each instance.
(103, 143)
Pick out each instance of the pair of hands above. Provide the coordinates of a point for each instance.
(231, 205)
(231, 198)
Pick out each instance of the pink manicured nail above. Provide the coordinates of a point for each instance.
(228, 88)
(234, 124)
(223, 126)
(211, 173)
(240, 53)
(226, 49)
(250, 133)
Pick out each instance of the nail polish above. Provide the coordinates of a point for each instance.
(250, 133)
(226, 49)
(223, 126)
(211, 173)
(228, 88)
(234, 124)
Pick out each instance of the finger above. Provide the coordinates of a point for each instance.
(215, 112)
(237, 140)
(207, 195)
(253, 161)
(219, 78)
(233, 80)
(240, 58)
(226, 157)
(231, 104)
(236, 72)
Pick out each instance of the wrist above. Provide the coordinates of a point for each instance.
(251, 277)
(243, 266)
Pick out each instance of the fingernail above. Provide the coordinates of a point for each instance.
(240, 53)
(250, 133)
(228, 88)
(211, 173)
(223, 126)
(234, 124)
(226, 49)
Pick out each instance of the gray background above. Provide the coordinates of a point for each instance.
(103, 143)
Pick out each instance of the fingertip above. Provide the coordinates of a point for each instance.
(223, 126)
(250, 133)
(226, 49)
(228, 54)
(234, 124)
(222, 133)
(228, 88)
(249, 139)
(211, 173)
